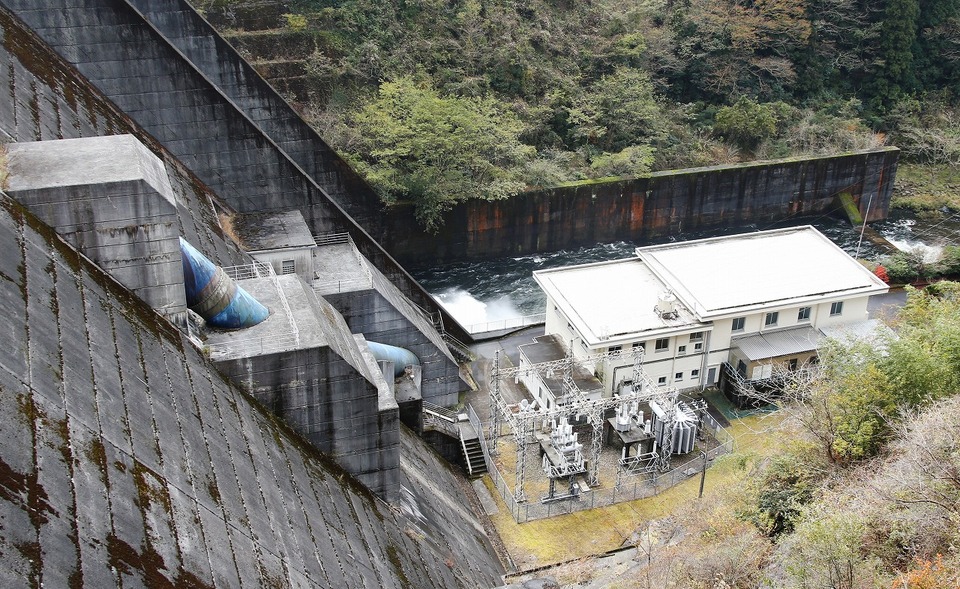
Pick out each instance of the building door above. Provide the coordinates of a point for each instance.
(711, 376)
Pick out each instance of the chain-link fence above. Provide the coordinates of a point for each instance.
(632, 488)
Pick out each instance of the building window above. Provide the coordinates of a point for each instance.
(696, 336)
(288, 267)
(804, 314)
(738, 323)
(662, 380)
(697, 346)
(836, 308)
(663, 344)
(641, 345)
(615, 350)
(792, 364)
(695, 373)
(678, 376)
(771, 318)
(681, 350)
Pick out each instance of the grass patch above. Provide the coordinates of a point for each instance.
(926, 187)
(585, 533)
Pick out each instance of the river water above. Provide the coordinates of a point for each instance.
(477, 293)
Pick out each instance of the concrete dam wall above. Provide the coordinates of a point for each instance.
(129, 459)
(174, 77)
(659, 206)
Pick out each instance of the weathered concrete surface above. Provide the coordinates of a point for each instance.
(128, 58)
(111, 199)
(663, 205)
(127, 460)
(218, 60)
(49, 99)
(305, 366)
(278, 239)
(373, 306)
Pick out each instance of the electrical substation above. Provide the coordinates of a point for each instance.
(582, 441)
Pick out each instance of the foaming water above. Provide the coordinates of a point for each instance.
(503, 288)
(926, 237)
(471, 311)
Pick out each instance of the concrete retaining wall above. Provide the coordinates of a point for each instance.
(48, 99)
(370, 313)
(663, 205)
(129, 461)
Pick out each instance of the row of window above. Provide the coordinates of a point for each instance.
(771, 319)
(694, 375)
(663, 344)
(739, 323)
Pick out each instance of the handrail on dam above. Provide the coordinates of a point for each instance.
(506, 324)
(332, 239)
(255, 269)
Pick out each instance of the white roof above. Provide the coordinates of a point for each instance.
(733, 274)
(610, 301)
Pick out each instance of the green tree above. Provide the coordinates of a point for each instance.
(746, 123)
(414, 144)
(630, 161)
(617, 111)
(786, 484)
(898, 31)
(923, 364)
(731, 47)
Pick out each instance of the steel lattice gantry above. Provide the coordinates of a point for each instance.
(522, 422)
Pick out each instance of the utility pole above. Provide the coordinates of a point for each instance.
(703, 473)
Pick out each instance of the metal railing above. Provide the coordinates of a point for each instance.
(361, 281)
(441, 419)
(332, 239)
(255, 269)
(458, 346)
(339, 286)
(505, 324)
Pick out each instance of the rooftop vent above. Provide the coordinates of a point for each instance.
(667, 305)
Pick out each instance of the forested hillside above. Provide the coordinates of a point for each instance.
(437, 100)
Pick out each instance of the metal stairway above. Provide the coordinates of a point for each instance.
(473, 453)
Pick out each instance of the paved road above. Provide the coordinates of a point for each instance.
(483, 366)
(886, 305)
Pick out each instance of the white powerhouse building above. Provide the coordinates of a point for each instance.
(748, 301)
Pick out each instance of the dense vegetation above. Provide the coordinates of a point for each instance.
(436, 101)
(870, 494)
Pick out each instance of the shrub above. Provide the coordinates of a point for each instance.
(295, 22)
